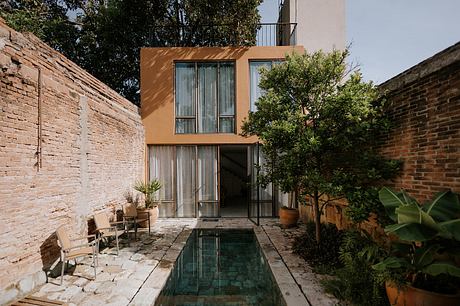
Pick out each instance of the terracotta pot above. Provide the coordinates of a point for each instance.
(153, 216)
(411, 296)
(288, 217)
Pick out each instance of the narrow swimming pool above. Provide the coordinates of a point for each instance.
(221, 267)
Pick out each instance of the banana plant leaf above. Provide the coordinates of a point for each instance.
(391, 263)
(444, 206)
(442, 268)
(414, 214)
(411, 231)
(451, 227)
(425, 255)
(391, 200)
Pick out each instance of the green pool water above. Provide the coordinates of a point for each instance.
(221, 267)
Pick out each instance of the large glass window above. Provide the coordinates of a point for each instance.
(254, 75)
(205, 97)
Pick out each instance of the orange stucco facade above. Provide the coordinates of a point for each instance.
(157, 89)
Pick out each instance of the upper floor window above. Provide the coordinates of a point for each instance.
(254, 73)
(205, 97)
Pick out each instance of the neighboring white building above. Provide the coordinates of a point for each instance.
(320, 23)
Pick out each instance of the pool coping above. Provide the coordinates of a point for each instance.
(155, 282)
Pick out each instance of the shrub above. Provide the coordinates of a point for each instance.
(323, 257)
(356, 282)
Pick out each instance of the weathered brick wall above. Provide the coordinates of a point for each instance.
(424, 105)
(425, 109)
(92, 152)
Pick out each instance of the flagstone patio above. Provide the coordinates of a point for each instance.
(137, 275)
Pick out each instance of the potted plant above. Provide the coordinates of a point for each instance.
(148, 189)
(422, 268)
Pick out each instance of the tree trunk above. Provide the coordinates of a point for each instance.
(317, 217)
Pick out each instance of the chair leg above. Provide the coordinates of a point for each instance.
(62, 269)
(94, 262)
(116, 238)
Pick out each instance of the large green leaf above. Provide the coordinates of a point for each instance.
(391, 263)
(444, 207)
(442, 268)
(391, 200)
(452, 227)
(425, 255)
(411, 231)
(414, 214)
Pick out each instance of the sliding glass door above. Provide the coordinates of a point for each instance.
(162, 168)
(185, 181)
(189, 178)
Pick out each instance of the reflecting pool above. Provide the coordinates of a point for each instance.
(221, 267)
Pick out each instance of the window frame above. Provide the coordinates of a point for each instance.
(272, 62)
(196, 95)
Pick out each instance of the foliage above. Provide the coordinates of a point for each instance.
(46, 19)
(105, 37)
(429, 237)
(323, 257)
(148, 189)
(318, 125)
(362, 202)
(356, 282)
(131, 198)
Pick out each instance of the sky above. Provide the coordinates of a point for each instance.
(390, 36)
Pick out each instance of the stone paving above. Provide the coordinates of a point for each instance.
(137, 275)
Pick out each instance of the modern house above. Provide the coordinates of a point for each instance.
(193, 103)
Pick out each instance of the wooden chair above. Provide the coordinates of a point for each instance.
(71, 250)
(107, 229)
(132, 216)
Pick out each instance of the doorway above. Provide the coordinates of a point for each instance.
(234, 181)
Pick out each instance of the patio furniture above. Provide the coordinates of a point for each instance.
(132, 216)
(72, 250)
(107, 229)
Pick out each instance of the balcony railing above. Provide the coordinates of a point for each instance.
(264, 34)
(276, 34)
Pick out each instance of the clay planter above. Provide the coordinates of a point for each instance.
(153, 216)
(288, 216)
(411, 296)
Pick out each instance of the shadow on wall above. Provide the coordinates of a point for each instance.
(50, 255)
(157, 70)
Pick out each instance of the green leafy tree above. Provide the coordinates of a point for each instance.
(105, 37)
(318, 123)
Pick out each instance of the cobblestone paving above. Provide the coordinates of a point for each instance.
(137, 275)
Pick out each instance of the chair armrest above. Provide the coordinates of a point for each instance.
(103, 228)
(83, 237)
(118, 222)
(89, 244)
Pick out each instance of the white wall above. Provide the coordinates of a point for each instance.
(320, 23)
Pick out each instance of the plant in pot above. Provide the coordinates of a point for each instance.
(148, 189)
(422, 268)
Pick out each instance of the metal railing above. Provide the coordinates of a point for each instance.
(264, 34)
(276, 34)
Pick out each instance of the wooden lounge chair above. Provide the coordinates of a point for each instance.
(107, 229)
(132, 216)
(71, 250)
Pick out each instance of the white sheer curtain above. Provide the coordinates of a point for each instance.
(207, 98)
(185, 97)
(226, 97)
(161, 167)
(186, 161)
(207, 181)
(254, 72)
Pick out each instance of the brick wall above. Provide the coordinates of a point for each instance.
(424, 105)
(92, 150)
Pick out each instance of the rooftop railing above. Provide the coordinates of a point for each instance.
(276, 34)
(264, 34)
